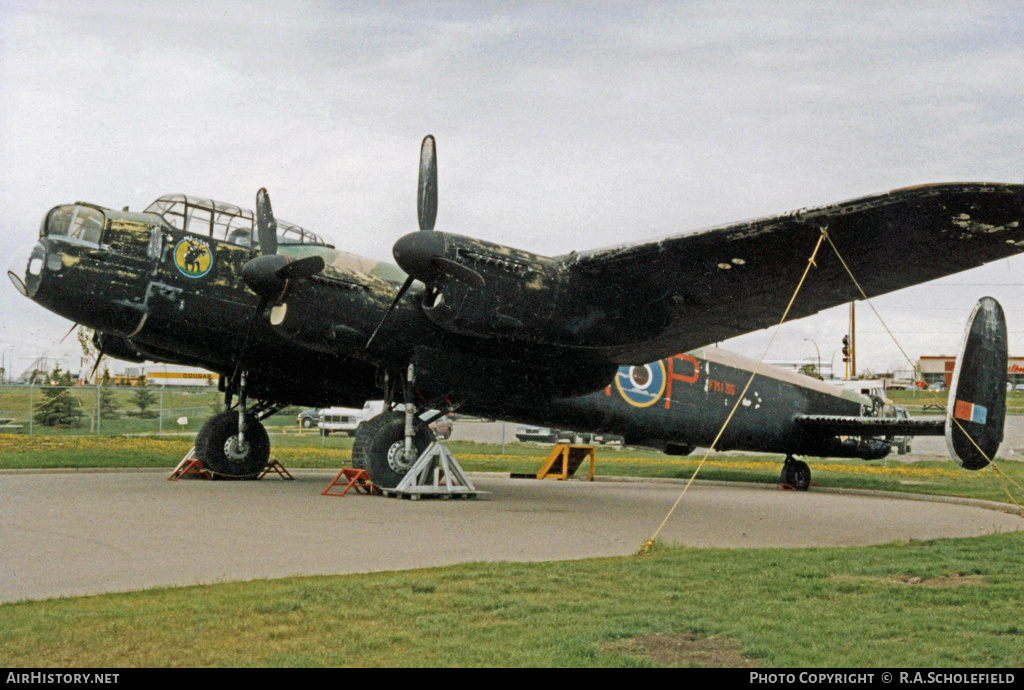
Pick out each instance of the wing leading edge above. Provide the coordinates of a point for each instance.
(716, 284)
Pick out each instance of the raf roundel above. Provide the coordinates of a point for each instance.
(193, 258)
(641, 386)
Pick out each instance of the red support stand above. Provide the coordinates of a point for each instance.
(277, 468)
(353, 478)
(189, 467)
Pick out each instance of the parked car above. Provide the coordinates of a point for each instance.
(309, 419)
(342, 420)
(537, 434)
(540, 434)
(937, 387)
(442, 427)
(902, 442)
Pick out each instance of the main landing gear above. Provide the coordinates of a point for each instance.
(233, 444)
(380, 449)
(796, 474)
(387, 446)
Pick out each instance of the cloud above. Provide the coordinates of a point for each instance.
(560, 126)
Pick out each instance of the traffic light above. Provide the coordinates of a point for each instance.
(846, 348)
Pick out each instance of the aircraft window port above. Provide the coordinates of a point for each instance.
(223, 221)
(77, 222)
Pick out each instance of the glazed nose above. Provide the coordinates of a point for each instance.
(26, 269)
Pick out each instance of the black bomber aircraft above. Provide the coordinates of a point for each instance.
(589, 341)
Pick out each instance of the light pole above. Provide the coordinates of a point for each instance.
(832, 363)
(819, 356)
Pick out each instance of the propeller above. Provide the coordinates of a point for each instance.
(422, 254)
(269, 274)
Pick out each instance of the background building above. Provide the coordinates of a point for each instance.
(940, 370)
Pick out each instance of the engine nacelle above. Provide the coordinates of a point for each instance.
(528, 297)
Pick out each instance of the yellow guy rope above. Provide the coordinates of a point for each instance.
(810, 262)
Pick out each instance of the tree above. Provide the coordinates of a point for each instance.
(109, 404)
(144, 398)
(60, 406)
(810, 370)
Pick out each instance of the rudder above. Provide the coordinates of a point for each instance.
(977, 397)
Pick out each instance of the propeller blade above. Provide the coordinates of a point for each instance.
(243, 351)
(426, 196)
(99, 359)
(67, 334)
(301, 268)
(401, 291)
(265, 223)
(459, 272)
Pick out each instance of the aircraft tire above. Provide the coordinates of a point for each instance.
(215, 435)
(360, 446)
(797, 474)
(385, 442)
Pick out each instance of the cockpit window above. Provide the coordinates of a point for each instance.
(76, 222)
(223, 221)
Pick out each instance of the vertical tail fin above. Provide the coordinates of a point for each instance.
(977, 397)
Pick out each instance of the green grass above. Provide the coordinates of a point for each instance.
(938, 603)
(309, 450)
(923, 402)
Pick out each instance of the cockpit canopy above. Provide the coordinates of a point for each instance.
(223, 221)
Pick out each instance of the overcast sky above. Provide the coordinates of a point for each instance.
(560, 126)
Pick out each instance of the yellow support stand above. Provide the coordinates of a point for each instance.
(570, 457)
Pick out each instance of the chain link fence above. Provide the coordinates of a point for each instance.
(104, 410)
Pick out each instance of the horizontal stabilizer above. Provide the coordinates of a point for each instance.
(977, 396)
(872, 426)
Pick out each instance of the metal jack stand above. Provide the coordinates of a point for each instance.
(435, 474)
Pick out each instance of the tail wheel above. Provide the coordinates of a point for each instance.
(797, 474)
(218, 447)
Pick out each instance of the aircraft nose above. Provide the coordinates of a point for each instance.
(26, 269)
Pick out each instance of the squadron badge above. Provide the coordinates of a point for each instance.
(641, 386)
(193, 258)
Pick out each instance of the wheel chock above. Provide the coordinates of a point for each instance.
(569, 457)
(278, 468)
(353, 479)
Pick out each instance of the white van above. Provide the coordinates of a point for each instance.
(339, 420)
(442, 427)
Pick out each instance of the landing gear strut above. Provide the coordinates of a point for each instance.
(796, 474)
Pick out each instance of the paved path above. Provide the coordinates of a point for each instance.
(89, 532)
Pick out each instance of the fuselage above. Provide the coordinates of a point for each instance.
(165, 285)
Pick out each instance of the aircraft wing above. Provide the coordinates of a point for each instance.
(708, 286)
